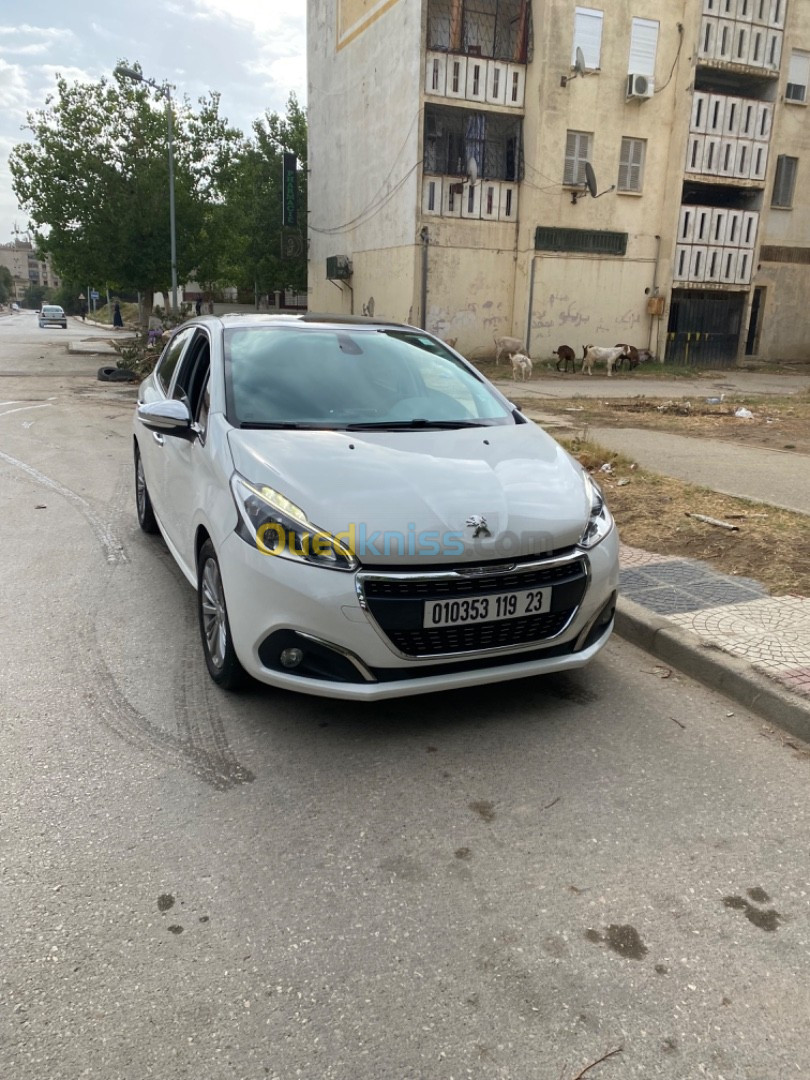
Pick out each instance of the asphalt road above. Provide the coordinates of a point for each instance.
(504, 883)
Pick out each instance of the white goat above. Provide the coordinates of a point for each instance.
(595, 353)
(507, 345)
(521, 366)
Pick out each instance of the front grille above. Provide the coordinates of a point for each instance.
(424, 588)
(397, 604)
(437, 640)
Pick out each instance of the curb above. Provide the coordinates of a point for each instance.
(709, 665)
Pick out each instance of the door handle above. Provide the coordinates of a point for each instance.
(157, 437)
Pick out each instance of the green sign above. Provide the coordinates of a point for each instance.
(289, 206)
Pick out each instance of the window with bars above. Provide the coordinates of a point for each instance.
(784, 181)
(588, 37)
(631, 164)
(577, 152)
(798, 76)
(500, 29)
(454, 136)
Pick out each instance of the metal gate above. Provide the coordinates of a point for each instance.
(704, 328)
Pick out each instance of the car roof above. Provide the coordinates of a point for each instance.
(310, 319)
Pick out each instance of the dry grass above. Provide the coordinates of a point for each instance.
(771, 545)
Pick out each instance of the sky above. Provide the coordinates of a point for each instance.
(253, 52)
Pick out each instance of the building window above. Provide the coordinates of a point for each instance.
(785, 181)
(588, 37)
(643, 47)
(631, 164)
(577, 152)
(798, 76)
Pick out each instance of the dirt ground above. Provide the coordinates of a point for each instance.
(776, 423)
(767, 544)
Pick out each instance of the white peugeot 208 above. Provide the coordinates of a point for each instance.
(362, 514)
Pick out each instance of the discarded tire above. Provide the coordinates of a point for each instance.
(116, 374)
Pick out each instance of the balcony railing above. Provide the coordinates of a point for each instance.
(715, 245)
(470, 78)
(486, 200)
(736, 41)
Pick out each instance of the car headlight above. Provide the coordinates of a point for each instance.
(274, 525)
(600, 519)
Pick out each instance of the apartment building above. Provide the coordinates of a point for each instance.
(26, 269)
(565, 174)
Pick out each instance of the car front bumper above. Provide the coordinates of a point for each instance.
(276, 604)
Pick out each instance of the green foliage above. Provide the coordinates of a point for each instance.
(95, 180)
(35, 295)
(6, 285)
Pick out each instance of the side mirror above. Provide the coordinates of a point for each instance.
(173, 417)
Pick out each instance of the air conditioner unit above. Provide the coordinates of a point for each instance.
(639, 86)
(338, 267)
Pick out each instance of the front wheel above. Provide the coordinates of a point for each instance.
(143, 504)
(215, 630)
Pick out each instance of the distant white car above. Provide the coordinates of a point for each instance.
(362, 514)
(15, 306)
(52, 315)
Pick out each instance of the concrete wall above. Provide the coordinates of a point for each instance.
(785, 320)
(364, 62)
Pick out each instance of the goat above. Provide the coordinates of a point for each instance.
(451, 342)
(566, 356)
(507, 345)
(631, 356)
(521, 366)
(594, 353)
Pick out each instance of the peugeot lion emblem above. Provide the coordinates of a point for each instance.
(479, 523)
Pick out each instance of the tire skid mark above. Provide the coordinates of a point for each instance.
(199, 720)
(121, 717)
(102, 530)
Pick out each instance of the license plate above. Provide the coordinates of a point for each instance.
(490, 608)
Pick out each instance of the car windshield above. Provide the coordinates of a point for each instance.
(352, 378)
(47, 310)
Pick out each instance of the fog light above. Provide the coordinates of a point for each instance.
(291, 658)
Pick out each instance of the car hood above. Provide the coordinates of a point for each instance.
(410, 495)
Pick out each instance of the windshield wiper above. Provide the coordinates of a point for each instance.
(416, 424)
(275, 425)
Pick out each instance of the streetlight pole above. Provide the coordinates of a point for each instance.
(165, 90)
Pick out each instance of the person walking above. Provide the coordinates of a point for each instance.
(118, 322)
(198, 306)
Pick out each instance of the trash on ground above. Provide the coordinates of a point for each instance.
(623, 482)
(744, 414)
(714, 521)
(606, 468)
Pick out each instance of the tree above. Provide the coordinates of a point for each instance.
(95, 181)
(245, 231)
(6, 285)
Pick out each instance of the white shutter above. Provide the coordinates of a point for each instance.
(643, 47)
(798, 76)
(631, 164)
(577, 152)
(588, 36)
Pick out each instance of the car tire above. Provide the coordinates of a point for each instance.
(215, 629)
(143, 504)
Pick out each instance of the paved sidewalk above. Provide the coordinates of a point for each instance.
(725, 631)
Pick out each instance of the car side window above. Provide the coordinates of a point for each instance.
(204, 409)
(171, 355)
(192, 375)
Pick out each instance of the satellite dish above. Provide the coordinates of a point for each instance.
(590, 179)
(472, 170)
(590, 185)
(579, 68)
